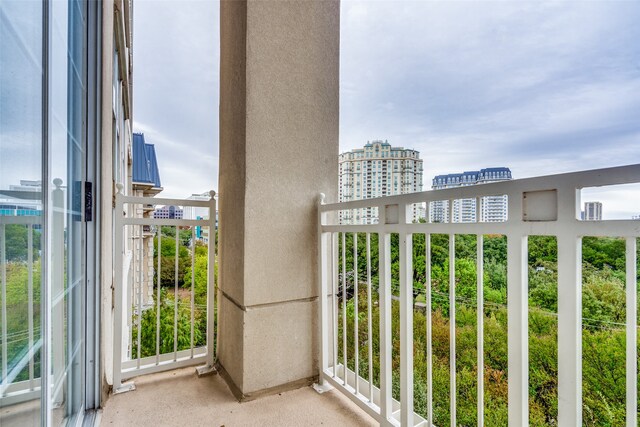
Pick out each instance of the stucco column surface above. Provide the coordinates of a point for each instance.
(278, 150)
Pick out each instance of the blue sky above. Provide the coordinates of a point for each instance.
(541, 87)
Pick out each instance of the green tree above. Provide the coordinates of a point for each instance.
(148, 327)
(17, 242)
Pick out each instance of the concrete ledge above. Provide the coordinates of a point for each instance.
(241, 397)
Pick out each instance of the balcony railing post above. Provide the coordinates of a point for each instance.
(429, 328)
(211, 290)
(569, 313)
(518, 335)
(569, 331)
(480, 324)
(324, 268)
(406, 320)
(118, 295)
(384, 243)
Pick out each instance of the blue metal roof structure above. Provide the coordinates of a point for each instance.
(145, 163)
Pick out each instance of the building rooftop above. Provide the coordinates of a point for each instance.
(145, 164)
(481, 172)
(381, 143)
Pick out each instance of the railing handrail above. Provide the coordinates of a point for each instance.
(166, 201)
(21, 219)
(572, 180)
(180, 222)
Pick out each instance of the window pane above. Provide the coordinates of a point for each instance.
(21, 139)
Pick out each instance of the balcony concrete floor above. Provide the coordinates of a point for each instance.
(180, 398)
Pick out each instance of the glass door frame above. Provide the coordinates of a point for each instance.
(93, 390)
(90, 388)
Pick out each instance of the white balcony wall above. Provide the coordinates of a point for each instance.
(115, 134)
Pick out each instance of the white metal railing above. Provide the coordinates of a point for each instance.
(148, 312)
(20, 343)
(541, 206)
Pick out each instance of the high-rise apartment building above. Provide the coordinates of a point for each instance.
(592, 211)
(377, 170)
(492, 209)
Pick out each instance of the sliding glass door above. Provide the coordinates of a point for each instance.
(66, 170)
(22, 139)
(43, 211)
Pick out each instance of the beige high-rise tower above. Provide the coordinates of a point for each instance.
(377, 170)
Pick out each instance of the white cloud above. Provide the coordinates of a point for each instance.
(541, 87)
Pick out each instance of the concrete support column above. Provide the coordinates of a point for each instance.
(279, 79)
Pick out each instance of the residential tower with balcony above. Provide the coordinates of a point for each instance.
(377, 170)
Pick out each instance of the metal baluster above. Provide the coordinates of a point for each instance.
(131, 291)
(406, 327)
(369, 322)
(452, 328)
(480, 325)
(193, 275)
(30, 308)
(176, 298)
(355, 308)
(158, 295)
(344, 308)
(334, 299)
(140, 283)
(632, 337)
(429, 330)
